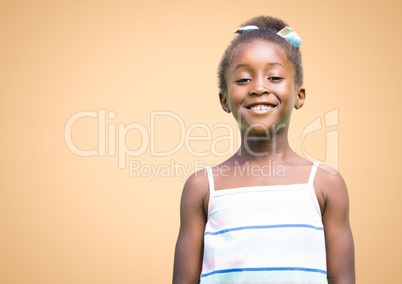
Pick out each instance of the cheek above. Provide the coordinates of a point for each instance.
(234, 96)
(234, 104)
(287, 92)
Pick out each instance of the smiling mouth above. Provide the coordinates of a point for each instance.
(260, 107)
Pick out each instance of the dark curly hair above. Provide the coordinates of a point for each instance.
(268, 27)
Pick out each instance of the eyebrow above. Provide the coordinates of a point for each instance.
(247, 65)
(240, 66)
(275, 63)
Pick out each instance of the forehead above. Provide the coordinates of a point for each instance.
(259, 53)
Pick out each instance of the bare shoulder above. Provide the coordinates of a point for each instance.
(197, 182)
(196, 189)
(331, 185)
(329, 178)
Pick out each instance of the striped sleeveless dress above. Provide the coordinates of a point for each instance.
(264, 234)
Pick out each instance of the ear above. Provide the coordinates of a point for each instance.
(301, 96)
(224, 102)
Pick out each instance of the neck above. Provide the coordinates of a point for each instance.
(264, 147)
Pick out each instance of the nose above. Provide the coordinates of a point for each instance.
(259, 87)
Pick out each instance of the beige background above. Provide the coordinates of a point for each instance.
(71, 219)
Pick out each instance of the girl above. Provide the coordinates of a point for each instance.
(265, 215)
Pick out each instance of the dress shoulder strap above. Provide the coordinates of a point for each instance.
(312, 173)
(211, 187)
(210, 179)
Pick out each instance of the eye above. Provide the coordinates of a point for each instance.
(275, 79)
(242, 81)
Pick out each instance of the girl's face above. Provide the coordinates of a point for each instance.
(261, 90)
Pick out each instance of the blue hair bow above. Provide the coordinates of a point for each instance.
(287, 33)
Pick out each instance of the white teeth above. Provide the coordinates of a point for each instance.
(261, 107)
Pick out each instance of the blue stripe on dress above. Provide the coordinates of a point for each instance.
(265, 227)
(264, 269)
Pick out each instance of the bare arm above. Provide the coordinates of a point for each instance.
(189, 246)
(338, 234)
